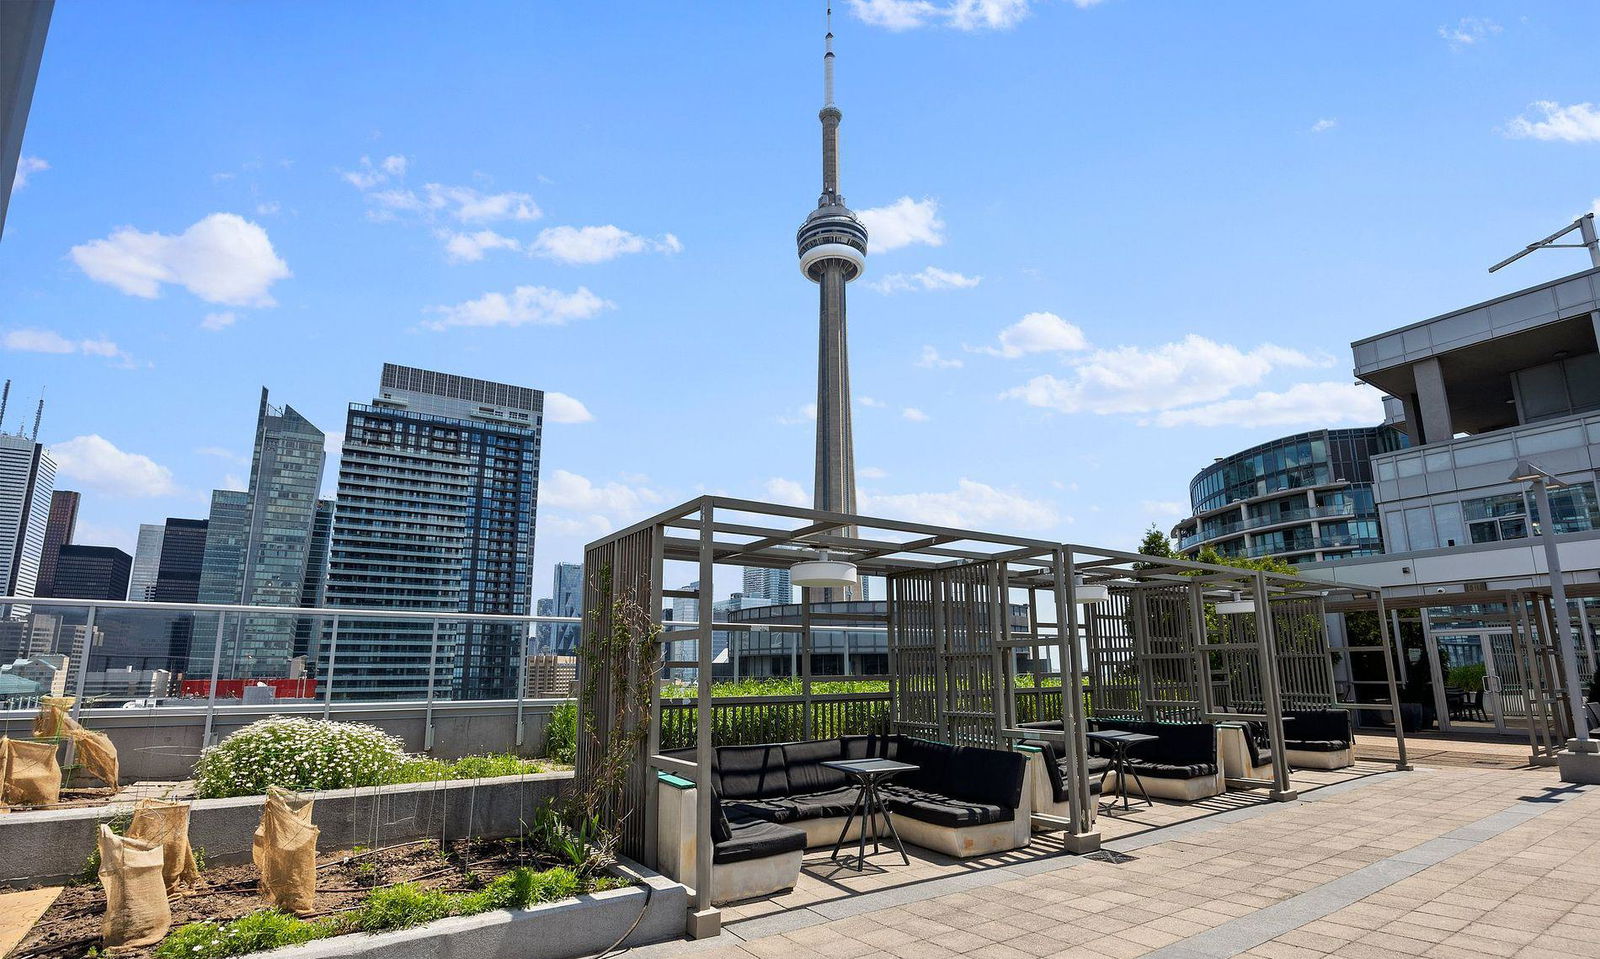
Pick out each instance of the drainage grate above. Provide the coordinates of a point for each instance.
(1111, 856)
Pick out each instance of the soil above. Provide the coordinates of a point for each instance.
(71, 927)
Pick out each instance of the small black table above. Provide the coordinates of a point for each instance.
(1120, 742)
(869, 774)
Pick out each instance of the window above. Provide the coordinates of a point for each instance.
(1569, 385)
(1575, 507)
(1491, 519)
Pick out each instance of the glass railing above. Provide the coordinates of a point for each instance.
(1259, 522)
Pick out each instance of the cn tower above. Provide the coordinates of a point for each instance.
(833, 251)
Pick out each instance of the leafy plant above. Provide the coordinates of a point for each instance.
(403, 906)
(423, 769)
(1468, 678)
(257, 932)
(561, 734)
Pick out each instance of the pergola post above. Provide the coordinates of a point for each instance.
(1272, 701)
(706, 920)
(1390, 649)
(1083, 837)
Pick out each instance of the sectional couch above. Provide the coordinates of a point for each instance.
(1184, 763)
(774, 801)
(1318, 738)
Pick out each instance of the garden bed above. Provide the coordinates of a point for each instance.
(71, 928)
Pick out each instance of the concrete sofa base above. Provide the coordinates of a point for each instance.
(1310, 759)
(51, 845)
(754, 878)
(1181, 790)
(561, 930)
(1236, 760)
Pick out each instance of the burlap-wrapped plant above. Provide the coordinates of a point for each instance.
(32, 774)
(96, 754)
(285, 852)
(137, 913)
(167, 825)
(54, 719)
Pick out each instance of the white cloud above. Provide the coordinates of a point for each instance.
(26, 166)
(806, 413)
(538, 305)
(49, 341)
(222, 453)
(96, 463)
(470, 247)
(1578, 123)
(1304, 404)
(591, 509)
(956, 14)
(873, 472)
(1129, 379)
(1038, 333)
(931, 278)
(219, 321)
(223, 259)
(268, 208)
(596, 244)
(971, 505)
(561, 408)
(233, 481)
(914, 415)
(470, 206)
(930, 359)
(371, 175)
(1469, 31)
(787, 492)
(1324, 124)
(870, 401)
(902, 223)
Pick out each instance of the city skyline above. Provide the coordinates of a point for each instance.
(550, 253)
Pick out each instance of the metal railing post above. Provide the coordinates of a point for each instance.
(522, 680)
(333, 655)
(427, 715)
(216, 667)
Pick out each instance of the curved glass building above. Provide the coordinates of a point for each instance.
(1303, 498)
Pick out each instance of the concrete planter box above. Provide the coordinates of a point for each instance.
(560, 930)
(51, 845)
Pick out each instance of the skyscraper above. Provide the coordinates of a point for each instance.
(832, 245)
(58, 532)
(182, 554)
(27, 478)
(567, 594)
(146, 563)
(260, 542)
(438, 480)
(92, 572)
(771, 585)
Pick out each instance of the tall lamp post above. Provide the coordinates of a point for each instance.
(1585, 751)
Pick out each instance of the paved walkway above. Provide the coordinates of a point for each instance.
(1451, 862)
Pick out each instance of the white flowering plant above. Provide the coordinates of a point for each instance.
(299, 754)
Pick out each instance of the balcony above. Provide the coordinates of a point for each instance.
(1284, 518)
(1563, 446)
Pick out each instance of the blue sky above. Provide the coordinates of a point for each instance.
(1111, 240)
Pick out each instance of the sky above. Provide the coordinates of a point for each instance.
(1111, 239)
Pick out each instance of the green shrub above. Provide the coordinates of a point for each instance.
(423, 769)
(1468, 678)
(257, 932)
(561, 734)
(297, 754)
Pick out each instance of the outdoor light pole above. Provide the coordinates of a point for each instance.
(1541, 481)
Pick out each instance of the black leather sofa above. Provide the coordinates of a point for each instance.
(1318, 738)
(1184, 763)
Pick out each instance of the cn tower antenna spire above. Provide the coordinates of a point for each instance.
(827, 63)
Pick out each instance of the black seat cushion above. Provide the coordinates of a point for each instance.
(1155, 770)
(856, 747)
(1307, 728)
(789, 809)
(933, 761)
(940, 810)
(803, 765)
(1056, 769)
(755, 839)
(1257, 743)
(991, 777)
(752, 772)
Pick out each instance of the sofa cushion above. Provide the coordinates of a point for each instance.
(755, 839)
(1257, 744)
(933, 761)
(991, 777)
(721, 829)
(752, 772)
(856, 747)
(788, 809)
(1056, 769)
(941, 810)
(803, 765)
(1158, 770)
(1314, 726)
(1177, 744)
(1316, 745)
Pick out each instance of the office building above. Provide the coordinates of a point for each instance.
(1304, 498)
(58, 532)
(23, 26)
(1485, 387)
(438, 480)
(567, 600)
(769, 584)
(182, 556)
(259, 545)
(92, 572)
(146, 563)
(27, 480)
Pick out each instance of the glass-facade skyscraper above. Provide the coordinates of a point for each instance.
(438, 481)
(260, 544)
(567, 593)
(57, 533)
(27, 480)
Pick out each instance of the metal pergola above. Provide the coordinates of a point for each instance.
(1156, 650)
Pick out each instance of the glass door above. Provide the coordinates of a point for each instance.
(1483, 688)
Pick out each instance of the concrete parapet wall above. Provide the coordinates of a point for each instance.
(51, 845)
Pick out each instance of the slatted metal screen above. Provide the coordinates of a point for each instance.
(1113, 661)
(950, 630)
(1305, 668)
(622, 569)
